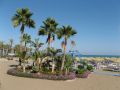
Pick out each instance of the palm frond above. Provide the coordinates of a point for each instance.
(23, 18)
(26, 38)
(42, 31)
(49, 28)
(31, 23)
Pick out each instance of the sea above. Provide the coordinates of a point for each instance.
(109, 56)
(77, 53)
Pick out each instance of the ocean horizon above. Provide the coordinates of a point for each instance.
(110, 56)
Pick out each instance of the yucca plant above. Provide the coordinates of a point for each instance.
(53, 53)
(37, 55)
(23, 56)
(68, 63)
(37, 61)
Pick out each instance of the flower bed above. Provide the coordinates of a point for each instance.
(14, 72)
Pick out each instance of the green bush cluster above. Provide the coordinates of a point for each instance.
(83, 67)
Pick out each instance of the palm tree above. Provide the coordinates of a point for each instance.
(11, 44)
(53, 53)
(6, 48)
(2, 48)
(66, 32)
(36, 55)
(23, 56)
(68, 63)
(36, 44)
(16, 48)
(49, 28)
(26, 39)
(23, 19)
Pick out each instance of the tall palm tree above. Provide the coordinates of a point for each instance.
(49, 28)
(23, 19)
(66, 32)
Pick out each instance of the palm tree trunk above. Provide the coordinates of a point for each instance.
(25, 46)
(53, 66)
(48, 40)
(48, 44)
(3, 52)
(20, 48)
(20, 62)
(22, 33)
(24, 68)
(66, 72)
(21, 41)
(63, 61)
(40, 63)
(10, 47)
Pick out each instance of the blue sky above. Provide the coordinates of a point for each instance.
(96, 21)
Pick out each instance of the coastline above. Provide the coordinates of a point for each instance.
(100, 58)
(104, 56)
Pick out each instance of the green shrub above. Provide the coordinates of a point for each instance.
(80, 71)
(35, 69)
(90, 67)
(68, 62)
(83, 67)
(45, 70)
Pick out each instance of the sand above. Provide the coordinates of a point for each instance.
(114, 59)
(94, 82)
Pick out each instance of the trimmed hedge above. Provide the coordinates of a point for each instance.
(14, 72)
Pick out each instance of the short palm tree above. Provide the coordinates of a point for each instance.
(49, 28)
(37, 54)
(23, 56)
(2, 48)
(11, 44)
(68, 63)
(23, 19)
(36, 44)
(26, 39)
(53, 53)
(66, 32)
(16, 48)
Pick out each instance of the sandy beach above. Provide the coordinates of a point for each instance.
(114, 59)
(94, 82)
